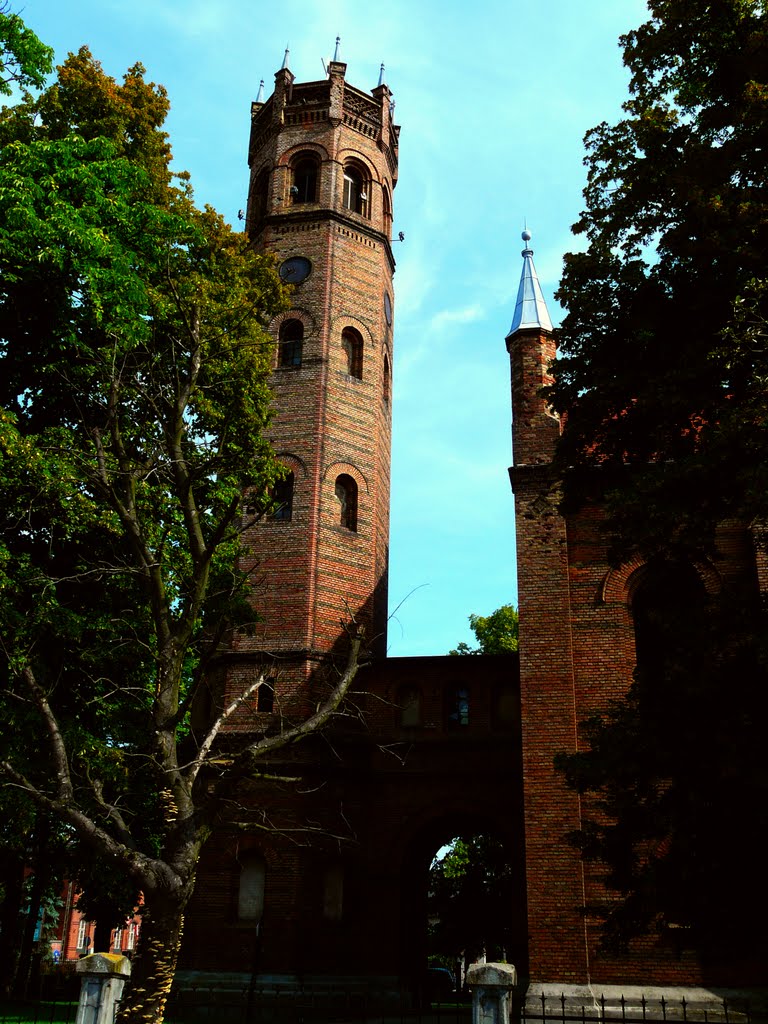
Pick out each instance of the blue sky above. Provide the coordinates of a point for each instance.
(494, 98)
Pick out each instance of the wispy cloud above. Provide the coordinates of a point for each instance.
(447, 318)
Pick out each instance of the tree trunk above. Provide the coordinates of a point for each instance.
(102, 935)
(154, 965)
(25, 974)
(12, 887)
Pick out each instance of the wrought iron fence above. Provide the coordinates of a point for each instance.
(310, 1004)
(345, 1004)
(634, 1010)
(38, 1011)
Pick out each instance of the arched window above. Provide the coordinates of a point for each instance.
(259, 198)
(282, 497)
(667, 603)
(333, 892)
(387, 202)
(352, 343)
(304, 186)
(505, 709)
(355, 191)
(291, 342)
(457, 706)
(409, 703)
(385, 382)
(265, 696)
(250, 897)
(346, 495)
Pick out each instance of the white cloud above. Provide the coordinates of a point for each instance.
(447, 318)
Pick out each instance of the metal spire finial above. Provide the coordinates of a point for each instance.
(260, 97)
(284, 66)
(530, 309)
(336, 52)
(382, 79)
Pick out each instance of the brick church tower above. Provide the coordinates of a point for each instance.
(323, 166)
(549, 716)
(579, 647)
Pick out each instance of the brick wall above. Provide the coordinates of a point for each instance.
(577, 653)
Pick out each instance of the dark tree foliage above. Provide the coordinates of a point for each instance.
(679, 814)
(663, 379)
(664, 360)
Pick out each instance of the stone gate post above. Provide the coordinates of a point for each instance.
(102, 977)
(491, 986)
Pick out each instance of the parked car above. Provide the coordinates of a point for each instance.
(439, 982)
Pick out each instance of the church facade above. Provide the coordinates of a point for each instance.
(334, 883)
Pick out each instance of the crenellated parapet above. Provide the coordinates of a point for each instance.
(332, 101)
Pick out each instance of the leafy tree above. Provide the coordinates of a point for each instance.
(662, 377)
(24, 60)
(134, 370)
(495, 633)
(663, 345)
(470, 893)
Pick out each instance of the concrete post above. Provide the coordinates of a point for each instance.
(102, 977)
(491, 986)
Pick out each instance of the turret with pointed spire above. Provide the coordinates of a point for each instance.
(547, 696)
(531, 347)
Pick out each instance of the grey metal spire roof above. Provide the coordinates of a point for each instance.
(284, 65)
(337, 51)
(530, 308)
(382, 79)
(260, 97)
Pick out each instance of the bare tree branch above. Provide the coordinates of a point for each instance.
(325, 711)
(218, 725)
(58, 748)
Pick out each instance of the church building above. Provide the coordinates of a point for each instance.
(333, 883)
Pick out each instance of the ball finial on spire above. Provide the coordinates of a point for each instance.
(526, 235)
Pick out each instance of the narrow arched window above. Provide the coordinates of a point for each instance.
(387, 202)
(457, 707)
(385, 382)
(250, 897)
(505, 711)
(291, 342)
(259, 199)
(265, 696)
(304, 186)
(333, 892)
(409, 702)
(352, 344)
(346, 495)
(282, 499)
(355, 191)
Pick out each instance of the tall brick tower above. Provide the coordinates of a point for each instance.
(323, 167)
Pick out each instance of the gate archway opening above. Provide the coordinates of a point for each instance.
(463, 889)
